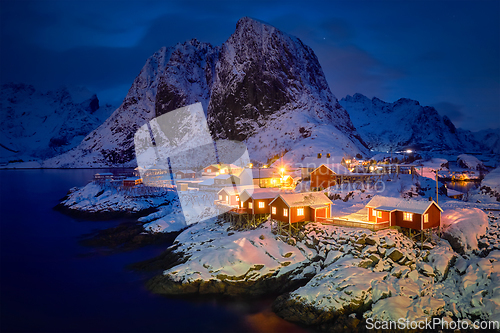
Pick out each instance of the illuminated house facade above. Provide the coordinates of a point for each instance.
(300, 207)
(417, 215)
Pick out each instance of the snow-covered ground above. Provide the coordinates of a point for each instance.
(95, 198)
(384, 275)
(196, 206)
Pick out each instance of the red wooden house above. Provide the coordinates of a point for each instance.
(132, 181)
(211, 170)
(417, 215)
(300, 207)
(183, 174)
(256, 201)
(327, 175)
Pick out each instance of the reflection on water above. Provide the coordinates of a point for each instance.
(462, 186)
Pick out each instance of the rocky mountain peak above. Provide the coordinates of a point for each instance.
(262, 86)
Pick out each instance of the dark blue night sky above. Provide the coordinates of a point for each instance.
(441, 53)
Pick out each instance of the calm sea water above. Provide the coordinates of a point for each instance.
(50, 283)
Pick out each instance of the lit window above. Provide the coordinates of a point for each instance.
(407, 216)
(374, 212)
(209, 170)
(426, 218)
(223, 171)
(242, 204)
(261, 204)
(237, 198)
(273, 210)
(220, 196)
(250, 205)
(379, 214)
(300, 211)
(285, 212)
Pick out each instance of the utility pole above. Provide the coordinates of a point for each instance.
(437, 191)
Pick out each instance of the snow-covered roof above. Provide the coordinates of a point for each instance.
(260, 193)
(217, 166)
(304, 199)
(336, 168)
(390, 204)
(185, 171)
(232, 190)
(132, 178)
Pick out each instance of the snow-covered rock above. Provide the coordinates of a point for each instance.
(469, 162)
(463, 227)
(248, 262)
(106, 200)
(490, 185)
(340, 289)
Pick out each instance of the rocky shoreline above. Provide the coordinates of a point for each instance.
(127, 236)
(97, 201)
(333, 278)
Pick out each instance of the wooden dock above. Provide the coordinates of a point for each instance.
(356, 223)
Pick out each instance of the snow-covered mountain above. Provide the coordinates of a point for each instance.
(490, 139)
(261, 86)
(39, 125)
(405, 123)
(269, 90)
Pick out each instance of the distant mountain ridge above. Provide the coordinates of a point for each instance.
(405, 123)
(261, 86)
(490, 139)
(39, 125)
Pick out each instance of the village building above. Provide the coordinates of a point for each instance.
(385, 212)
(416, 215)
(211, 170)
(230, 196)
(230, 169)
(220, 169)
(185, 174)
(268, 178)
(309, 164)
(103, 176)
(226, 179)
(132, 181)
(327, 175)
(256, 201)
(300, 207)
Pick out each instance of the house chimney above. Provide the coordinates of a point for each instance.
(430, 198)
(327, 155)
(319, 155)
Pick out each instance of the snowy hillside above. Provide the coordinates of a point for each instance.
(261, 86)
(405, 123)
(39, 125)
